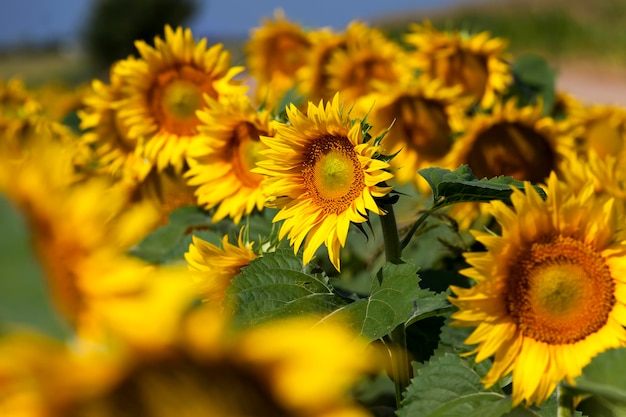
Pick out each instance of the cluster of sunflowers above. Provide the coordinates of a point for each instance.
(142, 219)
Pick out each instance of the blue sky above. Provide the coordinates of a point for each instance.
(40, 20)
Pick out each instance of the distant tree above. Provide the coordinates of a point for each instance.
(113, 25)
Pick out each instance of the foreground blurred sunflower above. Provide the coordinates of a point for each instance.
(476, 62)
(213, 268)
(221, 160)
(423, 115)
(115, 153)
(275, 52)
(74, 234)
(549, 292)
(285, 368)
(322, 176)
(164, 88)
(368, 60)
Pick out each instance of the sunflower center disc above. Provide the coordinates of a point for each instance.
(560, 291)
(181, 99)
(332, 173)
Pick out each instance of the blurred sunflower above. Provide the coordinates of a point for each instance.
(221, 160)
(285, 368)
(549, 292)
(476, 62)
(367, 61)
(512, 141)
(424, 114)
(164, 89)
(213, 268)
(313, 77)
(73, 233)
(322, 176)
(275, 52)
(603, 131)
(115, 152)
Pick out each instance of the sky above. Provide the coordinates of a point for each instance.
(32, 21)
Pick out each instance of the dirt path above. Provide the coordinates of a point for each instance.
(591, 83)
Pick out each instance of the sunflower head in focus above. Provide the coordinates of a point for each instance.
(165, 87)
(322, 175)
(367, 61)
(213, 268)
(476, 62)
(549, 292)
(423, 115)
(222, 159)
(115, 153)
(275, 52)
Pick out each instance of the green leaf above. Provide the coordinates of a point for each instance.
(534, 70)
(461, 185)
(429, 304)
(170, 241)
(447, 386)
(391, 303)
(278, 285)
(603, 379)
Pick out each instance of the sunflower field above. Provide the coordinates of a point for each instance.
(347, 225)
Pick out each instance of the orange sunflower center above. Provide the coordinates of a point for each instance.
(464, 68)
(332, 173)
(561, 291)
(246, 147)
(514, 150)
(175, 97)
(425, 124)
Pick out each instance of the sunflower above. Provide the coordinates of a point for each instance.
(221, 160)
(213, 268)
(367, 61)
(549, 292)
(284, 368)
(70, 225)
(476, 62)
(164, 88)
(603, 131)
(115, 152)
(312, 78)
(322, 176)
(275, 52)
(512, 141)
(423, 116)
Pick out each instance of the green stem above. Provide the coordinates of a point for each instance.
(417, 224)
(566, 402)
(393, 250)
(398, 351)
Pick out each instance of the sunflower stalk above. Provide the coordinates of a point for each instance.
(397, 337)
(409, 235)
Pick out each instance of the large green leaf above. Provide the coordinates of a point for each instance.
(604, 380)
(461, 185)
(392, 301)
(278, 285)
(447, 386)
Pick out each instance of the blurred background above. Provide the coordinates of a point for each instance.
(72, 41)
